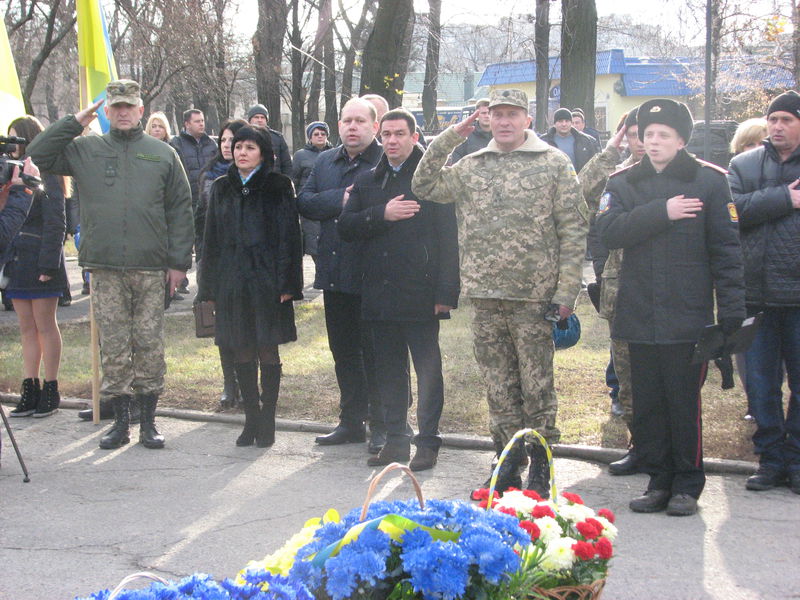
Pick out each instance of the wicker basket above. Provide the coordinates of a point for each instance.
(590, 591)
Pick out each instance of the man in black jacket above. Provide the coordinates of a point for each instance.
(259, 115)
(562, 135)
(410, 266)
(673, 216)
(765, 183)
(338, 273)
(479, 138)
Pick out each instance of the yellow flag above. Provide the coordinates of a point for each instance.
(95, 58)
(11, 104)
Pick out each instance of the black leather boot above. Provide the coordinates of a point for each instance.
(247, 374)
(120, 432)
(106, 411)
(28, 398)
(539, 471)
(48, 400)
(270, 388)
(508, 476)
(149, 436)
(230, 388)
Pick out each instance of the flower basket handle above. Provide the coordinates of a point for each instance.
(374, 483)
(522, 433)
(130, 578)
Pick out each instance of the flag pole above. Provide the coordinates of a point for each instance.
(95, 343)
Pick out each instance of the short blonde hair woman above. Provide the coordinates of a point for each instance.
(158, 127)
(748, 135)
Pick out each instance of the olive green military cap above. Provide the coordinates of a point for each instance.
(123, 91)
(511, 97)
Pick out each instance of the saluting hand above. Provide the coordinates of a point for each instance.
(467, 126)
(680, 207)
(88, 114)
(616, 141)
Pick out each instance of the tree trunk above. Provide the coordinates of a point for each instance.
(329, 62)
(578, 55)
(297, 101)
(268, 53)
(432, 66)
(354, 45)
(542, 49)
(387, 49)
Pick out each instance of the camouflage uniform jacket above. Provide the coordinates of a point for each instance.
(521, 227)
(593, 178)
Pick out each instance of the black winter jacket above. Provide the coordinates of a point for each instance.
(477, 140)
(670, 269)
(585, 146)
(12, 216)
(302, 163)
(408, 265)
(194, 155)
(283, 159)
(768, 224)
(251, 257)
(338, 262)
(38, 248)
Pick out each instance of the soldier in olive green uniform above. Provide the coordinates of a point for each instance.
(136, 217)
(593, 178)
(522, 231)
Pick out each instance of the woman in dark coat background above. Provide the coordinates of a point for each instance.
(217, 167)
(252, 269)
(37, 278)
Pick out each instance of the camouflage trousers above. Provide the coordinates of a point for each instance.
(622, 367)
(513, 346)
(129, 311)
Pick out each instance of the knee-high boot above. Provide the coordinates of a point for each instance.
(148, 434)
(230, 388)
(270, 388)
(247, 374)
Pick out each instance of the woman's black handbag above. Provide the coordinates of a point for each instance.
(204, 319)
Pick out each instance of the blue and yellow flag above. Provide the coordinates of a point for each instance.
(11, 104)
(95, 58)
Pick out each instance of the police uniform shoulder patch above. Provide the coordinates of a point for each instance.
(732, 212)
(705, 163)
(622, 170)
(605, 203)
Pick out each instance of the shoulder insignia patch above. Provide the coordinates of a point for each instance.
(605, 203)
(732, 212)
(705, 163)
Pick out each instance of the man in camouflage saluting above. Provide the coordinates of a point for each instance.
(522, 233)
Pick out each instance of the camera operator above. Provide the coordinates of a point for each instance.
(15, 202)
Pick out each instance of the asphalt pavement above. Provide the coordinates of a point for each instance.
(90, 517)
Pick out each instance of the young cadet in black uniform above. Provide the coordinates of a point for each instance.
(675, 219)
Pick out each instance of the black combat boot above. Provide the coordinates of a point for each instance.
(230, 388)
(48, 400)
(120, 432)
(270, 388)
(29, 396)
(508, 476)
(539, 471)
(149, 436)
(247, 374)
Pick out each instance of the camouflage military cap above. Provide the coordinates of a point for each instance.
(123, 91)
(510, 97)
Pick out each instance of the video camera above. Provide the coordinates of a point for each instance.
(7, 164)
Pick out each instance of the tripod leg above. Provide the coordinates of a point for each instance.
(27, 478)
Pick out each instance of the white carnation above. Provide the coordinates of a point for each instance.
(549, 529)
(609, 529)
(518, 501)
(559, 554)
(575, 513)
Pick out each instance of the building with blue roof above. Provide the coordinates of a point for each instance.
(623, 82)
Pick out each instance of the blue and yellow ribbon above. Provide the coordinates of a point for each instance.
(504, 454)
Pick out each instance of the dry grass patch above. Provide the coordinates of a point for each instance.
(309, 390)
